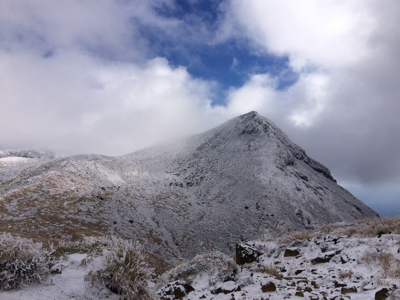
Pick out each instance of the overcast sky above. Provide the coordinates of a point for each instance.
(111, 77)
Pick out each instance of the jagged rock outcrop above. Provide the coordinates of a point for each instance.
(239, 181)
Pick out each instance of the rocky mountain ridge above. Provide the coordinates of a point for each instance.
(240, 181)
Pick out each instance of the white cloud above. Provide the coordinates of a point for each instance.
(99, 91)
(344, 109)
(75, 102)
(326, 34)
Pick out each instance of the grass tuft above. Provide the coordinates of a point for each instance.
(21, 262)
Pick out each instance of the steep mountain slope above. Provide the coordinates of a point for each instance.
(239, 181)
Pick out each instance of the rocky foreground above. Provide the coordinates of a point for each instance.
(341, 261)
(310, 266)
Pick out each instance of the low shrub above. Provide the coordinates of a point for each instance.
(385, 260)
(215, 264)
(124, 269)
(21, 262)
(271, 270)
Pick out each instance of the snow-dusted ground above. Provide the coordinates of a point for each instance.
(322, 267)
(69, 284)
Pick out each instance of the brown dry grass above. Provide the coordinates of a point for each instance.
(387, 261)
(345, 274)
(271, 270)
(362, 229)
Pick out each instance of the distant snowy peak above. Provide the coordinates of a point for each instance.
(31, 153)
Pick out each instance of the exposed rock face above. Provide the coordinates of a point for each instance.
(239, 181)
(245, 253)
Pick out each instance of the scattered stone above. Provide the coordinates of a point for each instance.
(299, 271)
(382, 294)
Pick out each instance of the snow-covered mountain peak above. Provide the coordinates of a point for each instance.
(239, 181)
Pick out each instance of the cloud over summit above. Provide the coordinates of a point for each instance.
(112, 77)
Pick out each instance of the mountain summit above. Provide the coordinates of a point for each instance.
(240, 181)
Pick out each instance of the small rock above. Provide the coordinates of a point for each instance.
(308, 289)
(382, 294)
(344, 259)
(299, 271)
(339, 284)
(299, 294)
(268, 287)
(314, 284)
(291, 252)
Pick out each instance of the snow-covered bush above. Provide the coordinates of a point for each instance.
(124, 269)
(214, 264)
(21, 262)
